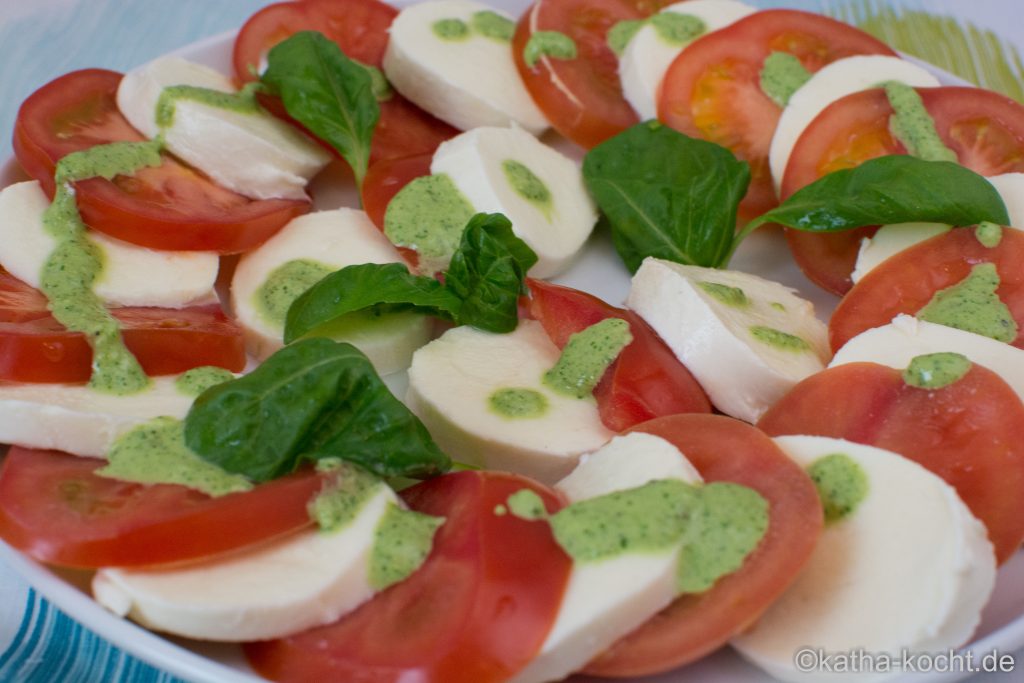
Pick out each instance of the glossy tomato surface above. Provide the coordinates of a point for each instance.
(713, 88)
(170, 206)
(985, 129)
(724, 449)
(477, 610)
(968, 433)
(56, 509)
(644, 382)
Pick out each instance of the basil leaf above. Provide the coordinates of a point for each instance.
(314, 399)
(328, 93)
(358, 287)
(890, 189)
(667, 195)
(487, 273)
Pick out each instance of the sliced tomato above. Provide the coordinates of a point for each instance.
(713, 89)
(724, 449)
(360, 28)
(55, 508)
(985, 129)
(968, 433)
(34, 347)
(906, 282)
(477, 610)
(581, 97)
(167, 207)
(646, 381)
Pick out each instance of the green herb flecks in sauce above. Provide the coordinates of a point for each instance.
(243, 101)
(841, 483)
(730, 296)
(782, 75)
(428, 215)
(553, 44)
(989, 234)
(779, 339)
(587, 355)
(518, 403)
(402, 542)
(341, 500)
(677, 29)
(620, 34)
(450, 29)
(492, 25)
(912, 125)
(973, 305)
(197, 380)
(936, 370)
(526, 504)
(528, 186)
(284, 285)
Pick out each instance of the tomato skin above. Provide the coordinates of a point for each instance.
(906, 282)
(55, 509)
(477, 610)
(712, 90)
(34, 347)
(968, 433)
(646, 381)
(724, 449)
(385, 178)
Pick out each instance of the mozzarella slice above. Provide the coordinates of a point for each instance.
(468, 81)
(282, 587)
(76, 419)
(910, 568)
(896, 344)
(648, 54)
(745, 339)
(332, 240)
(1010, 187)
(606, 600)
(131, 275)
(891, 240)
(835, 81)
(252, 153)
(451, 381)
(507, 170)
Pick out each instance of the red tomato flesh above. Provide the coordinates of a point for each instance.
(968, 433)
(478, 610)
(55, 509)
(724, 449)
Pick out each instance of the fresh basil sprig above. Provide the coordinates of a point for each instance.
(328, 93)
(313, 399)
(481, 288)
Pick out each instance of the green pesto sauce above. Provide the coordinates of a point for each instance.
(841, 484)
(781, 76)
(518, 403)
(989, 234)
(526, 504)
(677, 29)
(587, 355)
(500, 510)
(528, 186)
(401, 544)
(197, 380)
(548, 44)
(730, 296)
(974, 306)
(779, 339)
(450, 29)
(155, 453)
(73, 266)
(243, 101)
(936, 370)
(912, 125)
(493, 25)
(621, 33)
(777, 306)
(341, 500)
(284, 285)
(428, 215)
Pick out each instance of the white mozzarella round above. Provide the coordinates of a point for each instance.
(835, 81)
(482, 164)
(131, 275)
(648, 55)
(272, 590)
(1010, 187)
(450, 383)
(468, 82)
(252, 153)
(333, 239)
(891, 240)
(909, 568)
(728, 346)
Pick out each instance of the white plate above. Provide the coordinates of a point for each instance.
(598, 271)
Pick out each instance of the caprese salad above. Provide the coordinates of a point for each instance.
(198, 360)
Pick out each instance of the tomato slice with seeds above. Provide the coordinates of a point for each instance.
(167, 207)
(968, 433)
(713, 88)
(724, 449)
(985, 129)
